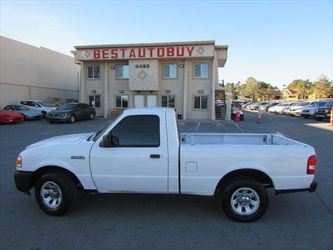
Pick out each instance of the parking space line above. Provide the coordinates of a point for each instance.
(196, 130)
(239, 128)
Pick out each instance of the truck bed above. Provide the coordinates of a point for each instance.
(236, 139)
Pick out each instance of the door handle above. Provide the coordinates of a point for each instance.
(155, 156)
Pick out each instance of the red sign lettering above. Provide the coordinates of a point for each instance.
(114, 53)
(123, 53)
(170, 51)
(105, 54)
(97, 54)
(190, 50)
(132, 54)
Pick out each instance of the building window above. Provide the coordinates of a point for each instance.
(168, 101)
(200, 102)
(138, 131)
(122, 71)
(95, 101)
(121, 101)
(93, 72)
(201, 70)
(169, 71)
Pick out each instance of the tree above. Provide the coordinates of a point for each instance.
(301, 87)
(322, 87)
(250, 88)
(235, 89)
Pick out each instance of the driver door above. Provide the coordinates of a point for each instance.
(138, 162)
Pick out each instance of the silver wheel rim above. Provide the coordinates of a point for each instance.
(91, 116)
(245, 201)
(51, 194)
(72, 119)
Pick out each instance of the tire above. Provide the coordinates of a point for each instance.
(319, 119)
(44, 114)
(55, 193)
(91, 116)
(72, 119)
(244, 199)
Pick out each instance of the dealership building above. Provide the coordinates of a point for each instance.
(180, 75)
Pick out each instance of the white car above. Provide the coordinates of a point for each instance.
(38, 105)
(311, 109)
(296, 109)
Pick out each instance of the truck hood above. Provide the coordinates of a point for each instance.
(63, 139)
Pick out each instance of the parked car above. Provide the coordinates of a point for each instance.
(38, 105)
(296, 108)
(72, 112)
(279, 108)
(311, 109)
(264, 107)
(273, 108)
(26, 112)
(10, 117)
(285, 110)
(324, 112)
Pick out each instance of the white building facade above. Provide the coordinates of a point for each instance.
(180, 75)
(28, 72)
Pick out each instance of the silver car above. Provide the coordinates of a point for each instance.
(26, 112)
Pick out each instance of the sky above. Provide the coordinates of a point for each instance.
(272, 41)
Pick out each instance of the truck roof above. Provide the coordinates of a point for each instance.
(140, 111)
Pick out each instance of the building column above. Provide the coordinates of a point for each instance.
(82, 83)
(106, 89)
(214, 80)
(185, 89)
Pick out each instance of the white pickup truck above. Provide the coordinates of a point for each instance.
(142, 152)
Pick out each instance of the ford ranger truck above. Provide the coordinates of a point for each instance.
(142, 152)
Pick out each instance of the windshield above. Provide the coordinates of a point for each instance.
(102, 131)
(67, 106)
(320, 104)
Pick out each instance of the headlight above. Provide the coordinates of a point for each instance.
(19, 161)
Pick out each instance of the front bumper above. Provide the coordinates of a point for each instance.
(58, 119)
(311, 189)
(23, 181)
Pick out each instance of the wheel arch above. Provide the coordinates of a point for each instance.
(53, 169)
(247, 172)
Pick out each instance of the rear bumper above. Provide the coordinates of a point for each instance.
(311, 189)
(23, 181)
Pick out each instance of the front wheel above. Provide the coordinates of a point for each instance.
(91, 116)
(72, 119)
(244, 199)
(55, 193)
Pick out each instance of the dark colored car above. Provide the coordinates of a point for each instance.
(72, 112)
(324, 112)
(10, 117)
(26, 112)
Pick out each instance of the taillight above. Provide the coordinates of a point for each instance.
(312, 161)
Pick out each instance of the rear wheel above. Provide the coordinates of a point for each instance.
(55, 193)
(244, 199)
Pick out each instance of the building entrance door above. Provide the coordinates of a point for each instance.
(152, 101)
(139, 101)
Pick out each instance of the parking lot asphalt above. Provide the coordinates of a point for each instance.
(128, 221)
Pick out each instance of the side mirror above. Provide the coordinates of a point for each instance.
(109, 141)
